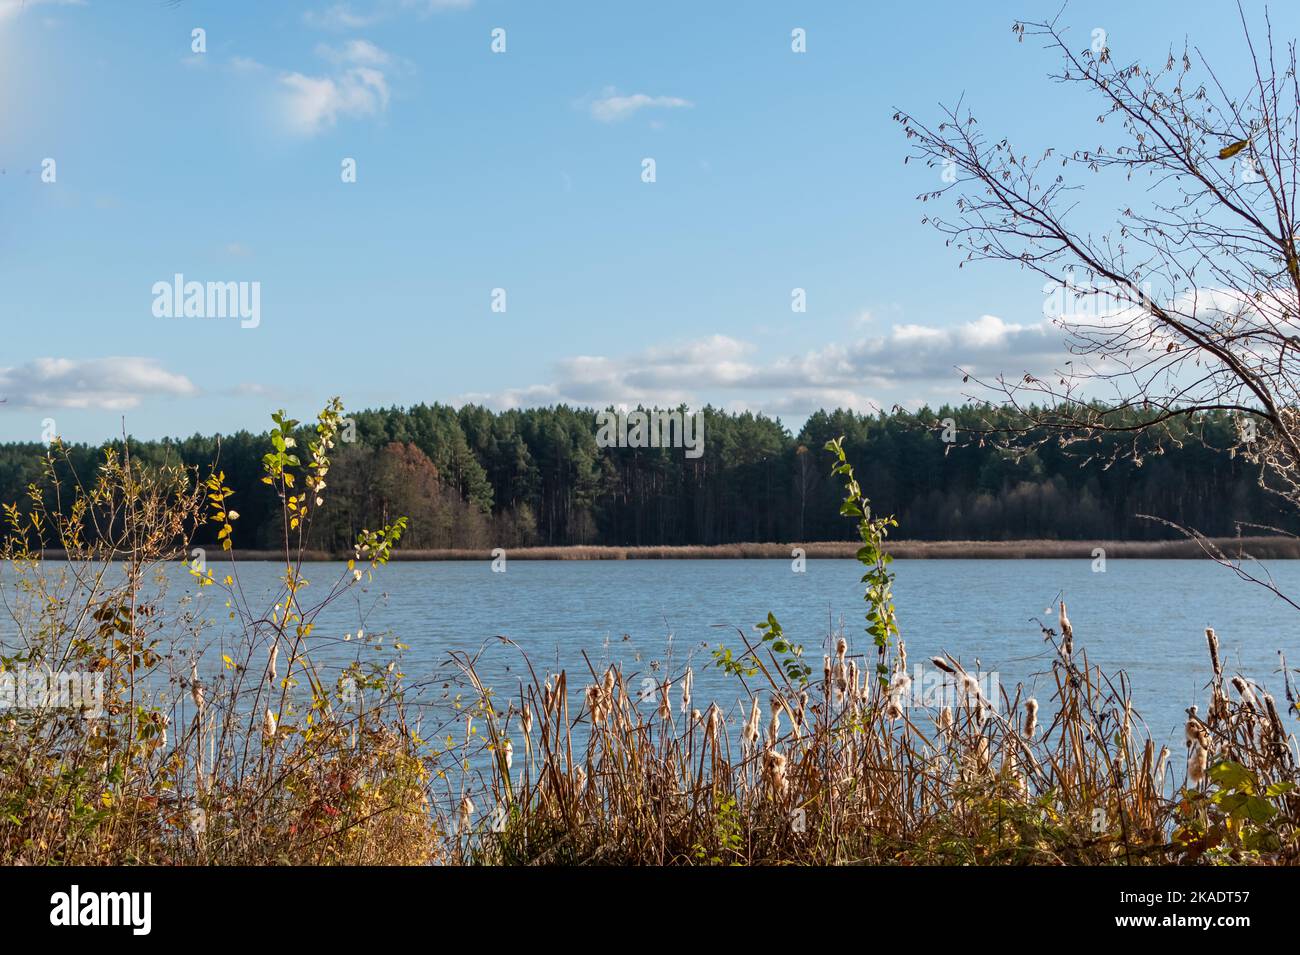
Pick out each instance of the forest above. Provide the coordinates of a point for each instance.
(475, 478)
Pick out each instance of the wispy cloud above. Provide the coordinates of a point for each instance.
(355, 53)
(344, 16)
(612, 106)
(113, 384)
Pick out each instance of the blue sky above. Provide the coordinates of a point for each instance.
(520, 171)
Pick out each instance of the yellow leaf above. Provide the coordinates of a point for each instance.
(1227, 152)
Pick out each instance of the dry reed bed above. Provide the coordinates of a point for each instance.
(842, 771)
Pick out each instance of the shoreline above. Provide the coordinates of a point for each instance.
(1262, 548)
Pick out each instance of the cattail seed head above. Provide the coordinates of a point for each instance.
(1067, 633)
(712, 723)
(1031, 717)
(750, 732)
(1213, 640)
(774, 769)
(1197, 765)
(665, 705)
(1248, 699)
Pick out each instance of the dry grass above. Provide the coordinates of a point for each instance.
(840, 772)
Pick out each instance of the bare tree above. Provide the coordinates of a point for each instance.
(1183, 300)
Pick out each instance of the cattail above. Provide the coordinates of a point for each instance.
(580, 779)
(982, 754)
(526, 718)
(900, 686)
(1213, 640)
(1031, 717)
(841, 684)
(970, 689)
(273, 657)
(749, 734)
(509, 751)
(1247, 695)
(774, 767)
(774, 727)
(687, 680)
(466, 813)
(1193, 729)
(1067, 633)
(712, 722)
(902, 655)
(1162, 764)
(945, 719)
(942, 664)
(611, 678)
(696, 717)
(1197, 764)
(196, 688)
(665, 706)
(596, 703)
(841, 650)
(826, 670)
(268, 725)
(803, 709)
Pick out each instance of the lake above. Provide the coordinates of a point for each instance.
(1146, 617)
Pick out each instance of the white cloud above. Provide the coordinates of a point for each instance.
(908, 364)
(113, 384)
(612, 107)
(314, 103)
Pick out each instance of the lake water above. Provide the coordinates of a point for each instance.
(1146, 617)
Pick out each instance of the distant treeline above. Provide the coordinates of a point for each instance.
(473, 478)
